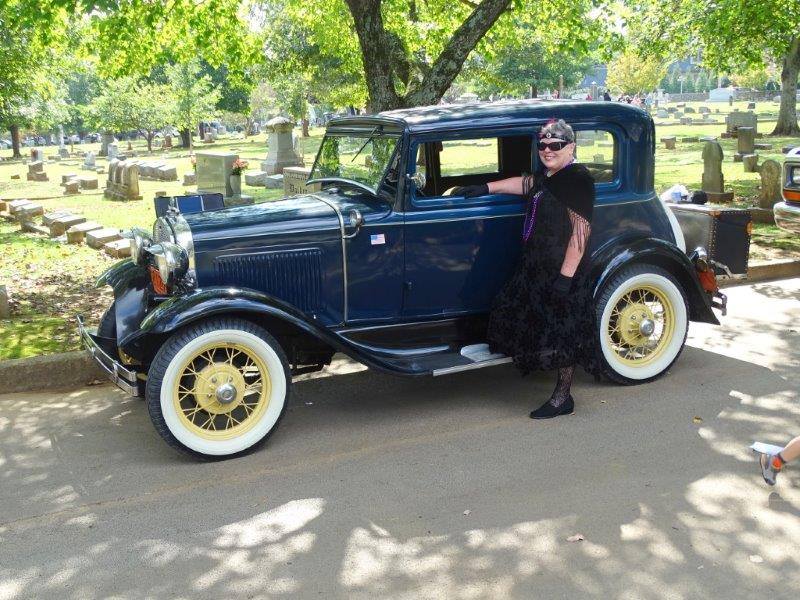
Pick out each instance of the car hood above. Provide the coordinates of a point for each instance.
(298, 213)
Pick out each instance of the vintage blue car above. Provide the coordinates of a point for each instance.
(219, 308)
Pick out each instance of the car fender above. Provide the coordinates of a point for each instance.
(121, 275)
(611, 259)
(180, 311)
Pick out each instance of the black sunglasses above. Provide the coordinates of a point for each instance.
(554, 146)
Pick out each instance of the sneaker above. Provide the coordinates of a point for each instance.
(768, 469)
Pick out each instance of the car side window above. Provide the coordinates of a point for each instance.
(596, 150)
(468, 157)
(443, 164)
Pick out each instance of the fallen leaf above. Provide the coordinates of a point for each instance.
(602, 401)
(466, 513)
(755, 558)
(697, 420)
(575, 538)
(95, 382)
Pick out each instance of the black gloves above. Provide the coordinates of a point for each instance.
(561, 286)
(471, 191)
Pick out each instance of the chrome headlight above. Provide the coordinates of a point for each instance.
(140, 242)
(162, 231)
(171, 261)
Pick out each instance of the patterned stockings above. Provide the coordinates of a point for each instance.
(563, 384)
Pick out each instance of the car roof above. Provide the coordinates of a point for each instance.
(499, 113)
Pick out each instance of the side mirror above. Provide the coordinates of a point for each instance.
(418, 179)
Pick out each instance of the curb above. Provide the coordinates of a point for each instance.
(71, 370)
(68, 370)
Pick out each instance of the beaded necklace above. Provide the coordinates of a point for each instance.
(530, 217)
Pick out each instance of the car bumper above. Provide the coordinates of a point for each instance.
(125, 379)
(787, 216)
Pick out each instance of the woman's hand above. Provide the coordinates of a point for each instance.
(471, 191)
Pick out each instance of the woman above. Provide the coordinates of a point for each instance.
(544, 315)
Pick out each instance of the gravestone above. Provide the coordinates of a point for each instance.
(274, 182)
(108, 138)
(5, 313)
(167, 173)
(72, 187)
(37, 155)
(255, 178)
(48, 218)
(598, 158)
(669, 142)
(686, 120)
(89, 162)
(113, 151)
(27, 212)
(751, 106)
(662, 114)
(280, 147)
(62, 149)
(294, 181)
(738, 119)
(703, 110)
(77, 233)
(750, 163)
(713, 182)
(61, 225)
(214, 172)
(688, 110)
(745, 137)
(36, 172)
(762, 146)
(190, 178)
(95, 239)
(770, 172)
(87, 183)
(167, 142)
(118, 248)
(208, 138)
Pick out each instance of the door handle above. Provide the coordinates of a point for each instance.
(355, 221)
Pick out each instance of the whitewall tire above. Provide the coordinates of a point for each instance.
(642, 322)
(218, 388)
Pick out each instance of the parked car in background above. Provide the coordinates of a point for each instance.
(787, 213)
(219, 307)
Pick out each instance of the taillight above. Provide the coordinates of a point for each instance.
(158, 284)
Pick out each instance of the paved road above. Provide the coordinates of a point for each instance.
(380, 487)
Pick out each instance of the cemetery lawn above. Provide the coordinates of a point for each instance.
(49, 282)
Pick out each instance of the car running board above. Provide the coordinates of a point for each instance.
(476, 356)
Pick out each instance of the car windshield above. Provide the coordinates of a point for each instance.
(359, 157)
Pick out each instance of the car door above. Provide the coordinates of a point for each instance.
(458, 251)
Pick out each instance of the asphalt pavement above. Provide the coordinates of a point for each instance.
(381, 487)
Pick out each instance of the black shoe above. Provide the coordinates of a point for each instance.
(548, 411)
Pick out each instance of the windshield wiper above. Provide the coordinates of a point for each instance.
(369, 139)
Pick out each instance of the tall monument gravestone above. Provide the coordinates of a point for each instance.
(713, 182)
(280, 149)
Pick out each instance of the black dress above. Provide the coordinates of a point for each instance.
(528, 322)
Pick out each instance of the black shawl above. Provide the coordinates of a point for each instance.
(574, 186)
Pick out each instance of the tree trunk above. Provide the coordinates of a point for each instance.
(14, 130)
(305, 127)
(149, 137)
(787, 116)
(186, 138)
(375, 54)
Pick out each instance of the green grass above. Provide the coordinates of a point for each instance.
(50, 282)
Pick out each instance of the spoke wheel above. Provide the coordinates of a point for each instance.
(222, 391)
(642, 324)
(218, 388)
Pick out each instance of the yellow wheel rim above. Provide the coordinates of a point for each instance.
(641, 325)
(221, 391)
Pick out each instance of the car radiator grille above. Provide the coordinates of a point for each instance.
(294, 276)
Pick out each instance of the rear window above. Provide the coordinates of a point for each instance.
(596, 150)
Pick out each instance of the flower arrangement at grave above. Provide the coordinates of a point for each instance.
(239, 166)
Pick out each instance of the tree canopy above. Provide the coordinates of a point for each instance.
(731, 34)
